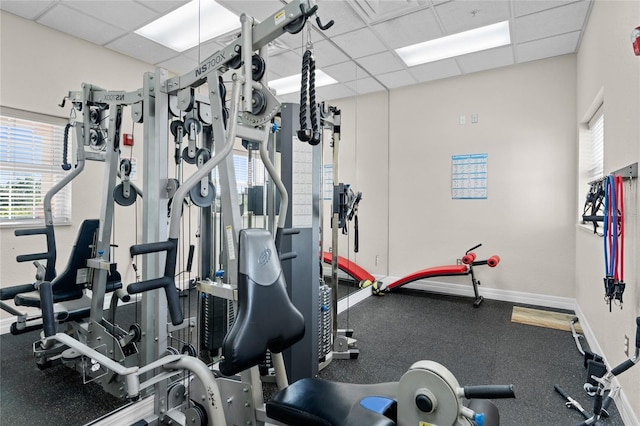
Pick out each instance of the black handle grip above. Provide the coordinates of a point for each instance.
(638, 332)
(561, 392)
(167, 282)
(489, 392)
(46, 305)
(151, 247)
(621, 368)
(31, 231)
(11, 292)
(30, 257)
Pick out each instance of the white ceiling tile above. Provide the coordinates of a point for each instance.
(26, 9)
(435, 70)
(409, 29)
(525, 7)
(396, 79)
(179, 65)
(285, 64)
(334, 91)
(458, 16)
(374, 11)
(487, 59)
(127, 15)
(203, 51)
(77, 24)
(345, 19)
(142, 49)
(551, 22)
(346, 71)
(365, 85)
(326, 53)
(293, 98)
(359, 43)
(381, 63)
(548, 47)
(258, 9)
(163, 6)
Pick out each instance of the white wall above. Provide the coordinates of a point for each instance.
(39, 67)
(606, 64)
(526, 126)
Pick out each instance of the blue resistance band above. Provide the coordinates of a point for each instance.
(610, 206)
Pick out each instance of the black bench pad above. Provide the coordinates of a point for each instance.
(317, 402)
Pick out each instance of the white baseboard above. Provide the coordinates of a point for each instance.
(466, 290)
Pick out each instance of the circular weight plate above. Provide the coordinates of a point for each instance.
(185, 156)
(200, 200)
(258, 101)
(175, 124)
(136, 332)
(118, 196)
(258, 67)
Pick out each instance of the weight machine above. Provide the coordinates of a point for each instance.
(96, 117)
(253, 280)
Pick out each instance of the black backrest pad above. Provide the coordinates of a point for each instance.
(266, 317)
(64, 285)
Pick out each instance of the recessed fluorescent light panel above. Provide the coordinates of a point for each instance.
(291, 84)
(482, 38)
(178, 30)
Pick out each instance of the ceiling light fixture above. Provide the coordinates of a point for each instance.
(291, 84)
(178, 30)
(475, 40)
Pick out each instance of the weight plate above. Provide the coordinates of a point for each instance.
(118, 196)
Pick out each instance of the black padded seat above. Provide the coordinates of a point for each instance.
(65, 286)
(266, 317)
(317, 402)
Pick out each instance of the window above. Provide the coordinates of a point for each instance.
(30, 164)
(595, 168)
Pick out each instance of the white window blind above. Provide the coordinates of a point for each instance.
(30, 164)
(596, 149)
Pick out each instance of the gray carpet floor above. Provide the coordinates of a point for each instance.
(479, 346)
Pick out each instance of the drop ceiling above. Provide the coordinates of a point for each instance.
(357, 51)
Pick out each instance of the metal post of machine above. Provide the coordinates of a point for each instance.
(344, 346)
(301, 176)
(154, 223)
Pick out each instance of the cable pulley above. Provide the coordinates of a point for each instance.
(258, 67)
(258, 102)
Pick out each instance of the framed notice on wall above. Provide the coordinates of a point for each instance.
(469, 176)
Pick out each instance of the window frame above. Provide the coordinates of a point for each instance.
(51, 171)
